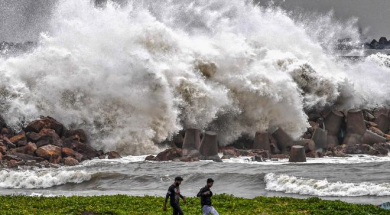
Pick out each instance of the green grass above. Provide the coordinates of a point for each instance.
(225, 204)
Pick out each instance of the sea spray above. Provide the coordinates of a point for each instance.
(136, 74)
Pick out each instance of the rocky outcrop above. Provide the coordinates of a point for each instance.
(46, 142)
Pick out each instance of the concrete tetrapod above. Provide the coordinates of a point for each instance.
(353, 139)
(371, 138)
(383, 123)
(209, 147)
(355, 122)
(283, 140)
(191, 143)
(261, 141)
(333, 123)
(320, 138)
(297, 154)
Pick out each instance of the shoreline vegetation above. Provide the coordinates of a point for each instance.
(134, 205)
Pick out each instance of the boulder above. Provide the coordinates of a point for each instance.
(86, 150)
(19, 138)
(70, 161)
(113, 155)
(382, 148)
(33, 136)
(150, 158)
(67, 152)
(45, 122)
(169, 154)
(49, 152)
(78, 134)
(21, 157)
(49, 137)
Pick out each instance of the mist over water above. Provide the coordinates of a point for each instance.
(136, 74)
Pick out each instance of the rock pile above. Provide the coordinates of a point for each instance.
(46, 142)
(331, 133)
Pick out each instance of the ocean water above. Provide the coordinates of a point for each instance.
(357, 179)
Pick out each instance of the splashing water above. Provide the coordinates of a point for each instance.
(136, 74)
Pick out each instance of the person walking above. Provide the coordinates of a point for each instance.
(174, 195)
(205, 198)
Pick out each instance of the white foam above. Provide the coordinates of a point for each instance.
(135, 75)
(303, 186)
(122, 160)
(352, 159)
(40, 178)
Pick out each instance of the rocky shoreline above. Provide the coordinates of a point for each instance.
(332, 133)
(46, 143)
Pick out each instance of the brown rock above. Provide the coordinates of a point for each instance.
(33, 136)
(3, 149)
(69, 161)
(169, 154)
(67, 152)
(49, 137)
(78, 134)
(20, 157)
(49, 152)
(113, 155)
(382, 148)
(86, 150)
(45, 122)
(19, 137)
(12, 164)
(30, 148)
(150, 158)
(231, 153)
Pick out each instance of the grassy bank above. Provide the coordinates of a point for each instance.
(225, 204)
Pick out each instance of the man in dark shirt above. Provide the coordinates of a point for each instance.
(205, 198)
(174, 196)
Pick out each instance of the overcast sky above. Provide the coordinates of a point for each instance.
(22, 20)
(372, 14)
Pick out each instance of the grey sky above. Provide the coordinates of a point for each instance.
(372, 14)
(22, 20)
